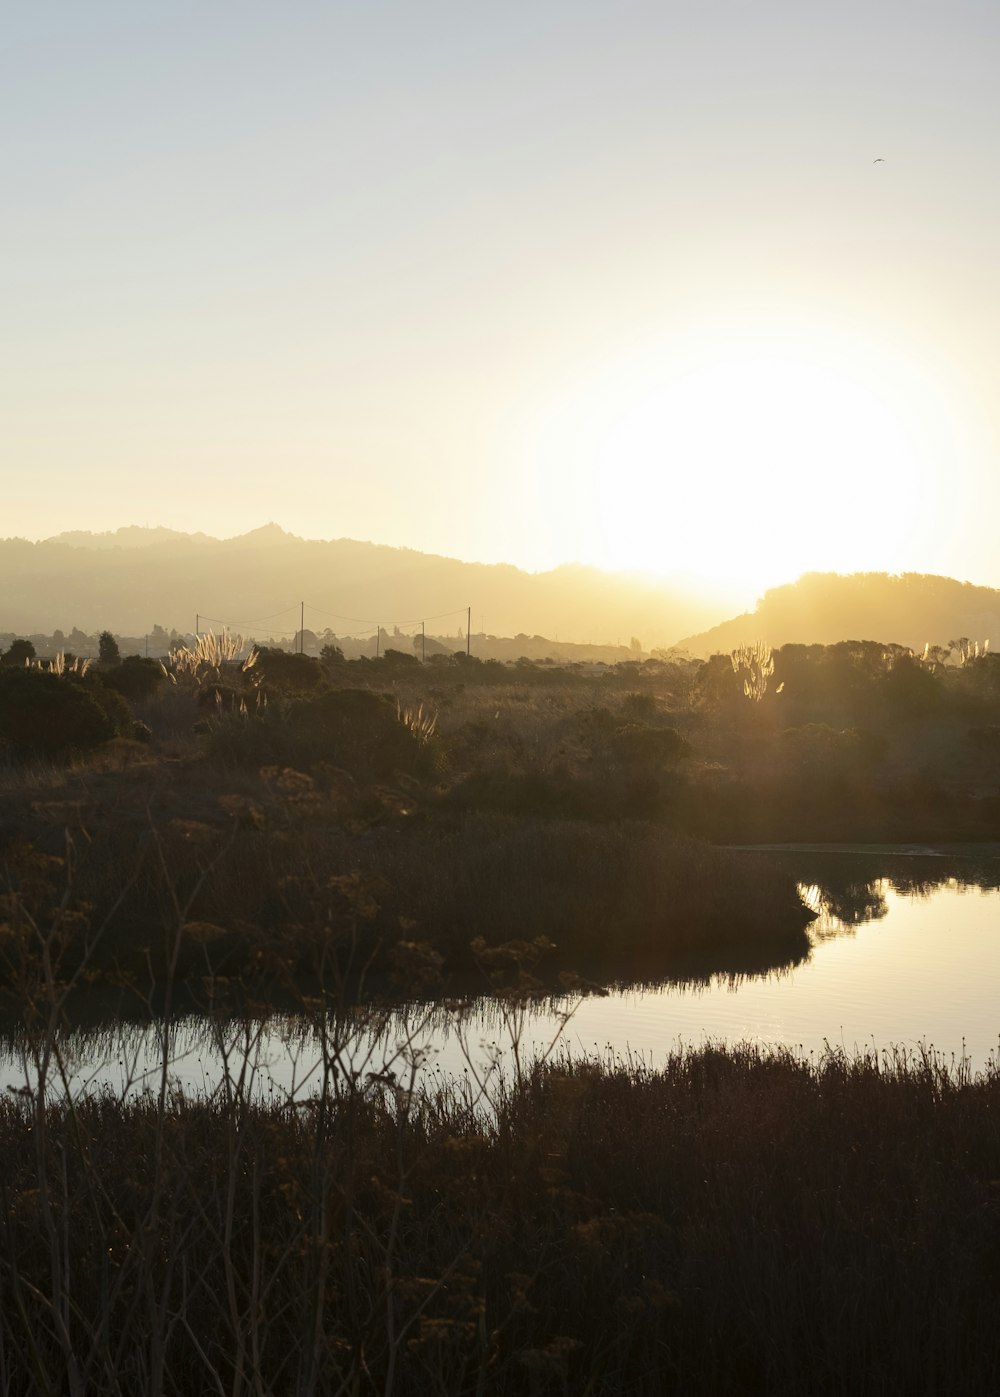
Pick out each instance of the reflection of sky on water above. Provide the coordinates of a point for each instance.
(924, 972)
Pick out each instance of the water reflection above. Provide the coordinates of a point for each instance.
(904, 951)
(850, 905)
(847, 889)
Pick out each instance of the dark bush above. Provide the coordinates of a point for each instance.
(135, 678)
(817, 747)
(640, 708)
(293, 673)
(116, 708)
(48, 714)
(18, 653)
(354, 728)
(248, 741)
(638, 746)
(399, 660)
(222, 698)
(910, 690)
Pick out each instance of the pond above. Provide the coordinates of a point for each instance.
(905, 956)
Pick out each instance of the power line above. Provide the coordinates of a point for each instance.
(333, 616)
(260, 621)
(372, 620)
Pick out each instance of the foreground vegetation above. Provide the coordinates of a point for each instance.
(243, 822)
(265, 800)
(738, 1222)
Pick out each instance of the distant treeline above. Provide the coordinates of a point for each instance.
(158, 643)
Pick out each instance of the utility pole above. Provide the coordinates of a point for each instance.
(468, 632)
(378, 642)
(423, 644)
(302, 628)
(197, 623)
(147, 647)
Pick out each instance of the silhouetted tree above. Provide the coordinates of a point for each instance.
(18, 653)
(107, 649)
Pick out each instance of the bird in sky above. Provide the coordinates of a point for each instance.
(879, 160)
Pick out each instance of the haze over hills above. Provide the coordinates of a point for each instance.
(133, 578)
(824, 607)
(128, 580)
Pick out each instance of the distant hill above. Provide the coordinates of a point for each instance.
(131, 536)
(824, 607)
(129, 580)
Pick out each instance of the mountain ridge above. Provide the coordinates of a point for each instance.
(129, 579)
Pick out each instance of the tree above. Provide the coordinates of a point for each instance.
(19, 653)
(107, 649)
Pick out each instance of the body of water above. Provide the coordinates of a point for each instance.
(898, 962)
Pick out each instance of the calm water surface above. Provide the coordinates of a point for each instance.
(920, 969)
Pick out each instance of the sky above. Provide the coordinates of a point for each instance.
(708, 290)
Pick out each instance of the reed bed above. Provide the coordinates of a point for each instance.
(267, 868)
(736, 1222)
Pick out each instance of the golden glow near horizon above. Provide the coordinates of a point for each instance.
(747, 456)
(528, 283)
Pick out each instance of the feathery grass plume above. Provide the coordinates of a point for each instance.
(58, 665)
(755, 663)
(205, 660)
(421, 724)
(969, 650)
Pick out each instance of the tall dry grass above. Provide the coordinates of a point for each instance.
(737, 1222)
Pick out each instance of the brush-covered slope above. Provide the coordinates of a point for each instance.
(824, 607)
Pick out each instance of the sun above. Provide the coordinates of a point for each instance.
(746, 466)
(760, 468)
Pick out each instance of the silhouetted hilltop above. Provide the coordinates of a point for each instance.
(130, 579)
(130, 536)
(824, 607)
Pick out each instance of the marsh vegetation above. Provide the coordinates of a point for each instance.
(736, 1222)
(249, 826)
(583, 804)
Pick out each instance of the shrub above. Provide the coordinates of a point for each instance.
(641, 747)
(640, 708)
(48, 715)
(354, 728)
(219, 697)
(18, 653)
(135, 678)
(817, 747)
(291, 672)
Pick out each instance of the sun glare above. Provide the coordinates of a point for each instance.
(746, 468)
(757, 469)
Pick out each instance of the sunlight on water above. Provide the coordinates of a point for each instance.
(924, 974)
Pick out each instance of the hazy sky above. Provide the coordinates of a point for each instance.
(531, 281)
